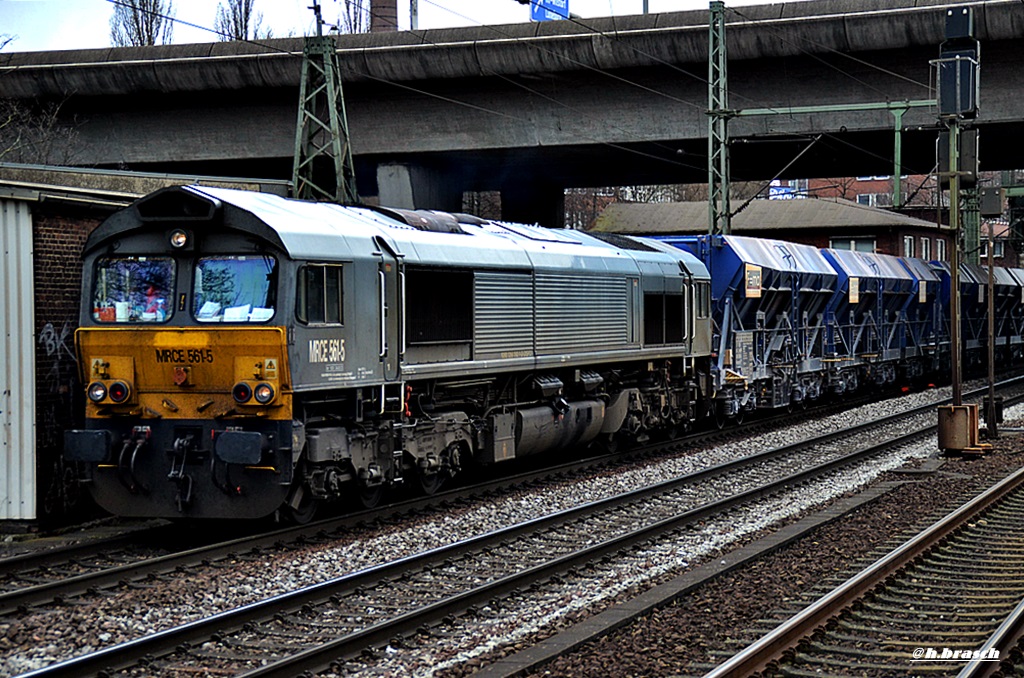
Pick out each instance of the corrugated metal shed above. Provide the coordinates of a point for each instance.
(17, 364)
(759, 215)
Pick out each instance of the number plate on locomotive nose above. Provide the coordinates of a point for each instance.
(184, 355)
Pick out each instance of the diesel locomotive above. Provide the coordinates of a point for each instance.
(246, 355)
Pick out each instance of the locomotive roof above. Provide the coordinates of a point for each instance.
(325, 231)
(318, 230)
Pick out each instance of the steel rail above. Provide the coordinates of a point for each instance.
(163, 642)
(23, 599)
(20, 600)
(762, 654)
(1003, 640)
(321, 657)
(11, 565)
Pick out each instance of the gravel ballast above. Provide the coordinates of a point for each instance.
(679, 639)
(38, 640)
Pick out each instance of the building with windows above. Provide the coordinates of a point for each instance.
(826, 222)
(997, 233)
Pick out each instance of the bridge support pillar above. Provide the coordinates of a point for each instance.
(417, 187)
(533, 203)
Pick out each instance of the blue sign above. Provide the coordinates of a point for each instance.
(549, 10)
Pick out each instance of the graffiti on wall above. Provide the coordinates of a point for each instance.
(55, 413)
(59, 382)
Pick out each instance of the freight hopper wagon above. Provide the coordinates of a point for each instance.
(1015, 318)
(793, 322)
(869, 319)
(926, 321)
(769, 301)
(1008, 300)
(247, 354)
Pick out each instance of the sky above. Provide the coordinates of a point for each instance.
(39, 25)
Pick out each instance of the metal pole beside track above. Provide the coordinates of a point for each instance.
(990, 412)
(954, 260)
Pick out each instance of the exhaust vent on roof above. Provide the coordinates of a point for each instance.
(177, 204)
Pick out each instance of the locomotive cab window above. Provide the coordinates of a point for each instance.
(235, 289)
(132, 289)
(319, 295)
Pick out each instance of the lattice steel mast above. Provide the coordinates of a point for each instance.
(323, 168)
(719, 217)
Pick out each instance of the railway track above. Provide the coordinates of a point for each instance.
(950, 594)
(33, 580)
(388, 605)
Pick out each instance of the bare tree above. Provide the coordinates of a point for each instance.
(354, 17)
(483, 204)
(237, 21)
(141, 22)
(36, 134)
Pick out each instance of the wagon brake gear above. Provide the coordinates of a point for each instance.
(126, 460)
(182, 446)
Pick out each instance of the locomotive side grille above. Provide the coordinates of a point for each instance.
(503, 318)
(577, 312)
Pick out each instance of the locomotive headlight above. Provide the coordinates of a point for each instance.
(179, 238)
(119, 391)
(241, 392)
(264, 393)
(97, 392)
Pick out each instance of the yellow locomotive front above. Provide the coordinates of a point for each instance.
(188, 395)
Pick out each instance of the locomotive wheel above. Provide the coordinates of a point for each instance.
(609, 442)
(369, 497)
(305, 513)
(432, 483)
(740, 416)
(306, 509)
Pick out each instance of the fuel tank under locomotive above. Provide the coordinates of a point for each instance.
(555, 427)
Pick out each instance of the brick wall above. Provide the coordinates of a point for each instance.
(58, 238)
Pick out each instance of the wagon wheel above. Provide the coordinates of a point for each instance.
(720, 418)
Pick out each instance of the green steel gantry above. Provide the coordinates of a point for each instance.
(323, 168)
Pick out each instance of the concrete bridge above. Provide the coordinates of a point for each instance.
(530, 109)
